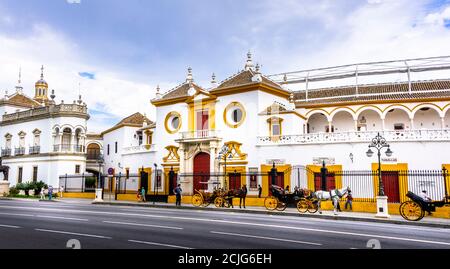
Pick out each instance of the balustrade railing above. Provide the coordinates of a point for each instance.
(6, 152)
(34, 150)
(355, 137)
(200, 134)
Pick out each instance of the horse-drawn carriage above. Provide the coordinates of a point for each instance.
(280, 199)
(203, 198)
(415, 209)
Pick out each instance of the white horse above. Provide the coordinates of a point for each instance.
(333, 195)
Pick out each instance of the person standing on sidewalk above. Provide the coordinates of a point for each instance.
(61, 190)
(349, 200)
(50, 192)
(43, 193)
(243, 195)
(259, 191)
(177, 192)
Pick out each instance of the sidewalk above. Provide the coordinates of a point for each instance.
(351, 216)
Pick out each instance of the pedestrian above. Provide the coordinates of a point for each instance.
(61, 190)
(349, 201)
(138, 196)
(259, 191)
(177, 192)
(286, 190)
(50, 192)
(43, 193)
(243, 195)
(143, 192)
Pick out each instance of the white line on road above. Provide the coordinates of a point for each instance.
(145, 225)
(55, 217)
(267, 238)
(17, 214)
(157, 244)
(9, 226)
(71, 233)
(238, 223)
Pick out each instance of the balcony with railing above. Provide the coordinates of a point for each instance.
(19, 151)
(355, 137)
(68, 148)
(138, 149)
(34, 150)
(200, 135)
(6, 152)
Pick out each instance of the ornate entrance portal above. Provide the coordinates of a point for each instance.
(201, 170)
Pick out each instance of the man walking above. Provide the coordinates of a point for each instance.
(243, 195)
(177, 192)
(259, 191)
(143, 195)
(349, 200)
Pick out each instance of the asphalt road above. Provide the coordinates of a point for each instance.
(44, 225)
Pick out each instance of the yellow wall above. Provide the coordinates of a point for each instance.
(447, 179)
(265, 169)
(402, 179)
(81, 195)
(127, 197)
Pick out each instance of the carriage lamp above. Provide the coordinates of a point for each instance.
(369, 153)
(351, 156)
(389, 152)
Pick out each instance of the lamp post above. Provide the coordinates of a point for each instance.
(379, 143)
(224, 154)
(99, 189)
(155, 183)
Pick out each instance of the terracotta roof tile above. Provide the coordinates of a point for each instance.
(392, 91)
(243, 78)
(180, 91)
(136, 118)
(21, 100)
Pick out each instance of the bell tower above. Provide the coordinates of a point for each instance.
(41, 89)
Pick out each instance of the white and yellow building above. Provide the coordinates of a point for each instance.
(262, 122)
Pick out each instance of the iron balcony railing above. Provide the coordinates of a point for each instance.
(19, 151)
(34, 150)
(6, 152)
(94, 156)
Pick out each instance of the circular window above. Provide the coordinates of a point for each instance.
(234, 114)
(172, 122)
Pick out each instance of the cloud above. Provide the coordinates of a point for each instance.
(74, 1)
(87, 75)
(109, 91)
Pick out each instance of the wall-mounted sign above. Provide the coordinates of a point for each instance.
(276, 161)
(111, 171)
(328, 160)
(389, 160)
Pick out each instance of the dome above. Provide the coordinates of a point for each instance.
(41, 82)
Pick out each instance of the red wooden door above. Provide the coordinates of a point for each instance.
(235, 181)
(280, 180)
(391, 187)
(331, 182)
(201, 171)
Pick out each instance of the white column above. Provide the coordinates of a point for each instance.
(442, 123)
(329, 126)
(356, 125)
(383, 124)
(412, 124)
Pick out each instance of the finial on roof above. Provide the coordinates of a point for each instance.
(213, 81)
(6, 94)
(79, 100)
(257, 68)
(42, 72)
(189, 77)
(249, 64)
(285, 78)
(257, 76)
(19, 88)
(53, 94)
(158, 93)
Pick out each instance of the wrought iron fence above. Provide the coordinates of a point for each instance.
(85, 182)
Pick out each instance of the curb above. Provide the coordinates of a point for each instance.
(318, 216)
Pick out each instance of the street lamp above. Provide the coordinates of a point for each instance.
(155, 182)
(99, 189)
(224, 154)
(379, 143)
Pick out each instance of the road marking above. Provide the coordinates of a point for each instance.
(71, 233)
(55, 217)
(240, 223)
(267, 238)
(17, 214)
(9, 226)
(157, 244)
(145, 225)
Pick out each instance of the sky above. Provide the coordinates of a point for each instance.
(115, 53)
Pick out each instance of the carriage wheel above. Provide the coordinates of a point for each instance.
(219, 201)
(313, 206)
(411, 210)
(270, 203)
(281, 206)
(302, 205)
(197, 200)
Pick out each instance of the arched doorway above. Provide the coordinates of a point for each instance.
(317, 123)
(93, 151)
(201, 171)
(343, 122)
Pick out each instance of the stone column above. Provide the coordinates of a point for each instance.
(412, 124)
(356, 125)
(329, 126)
(383, 124)
(442, 123)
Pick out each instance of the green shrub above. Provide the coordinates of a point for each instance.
(90, 182)
(13, 191)
(38, 187)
